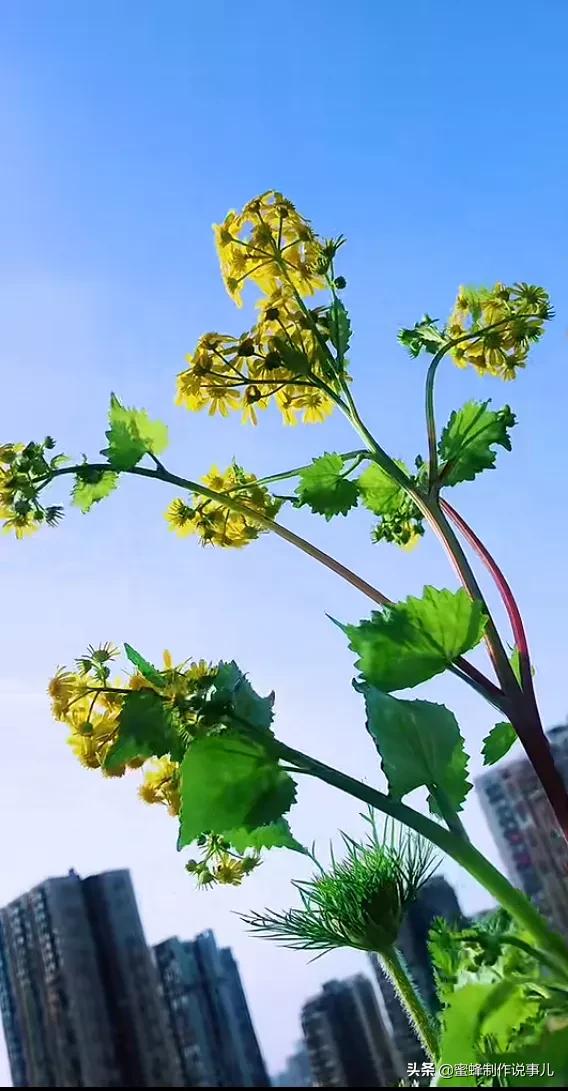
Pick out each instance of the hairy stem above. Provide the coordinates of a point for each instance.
(462, 851)
(394, 966)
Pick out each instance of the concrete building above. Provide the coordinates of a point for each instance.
(348, 1043)
(297, 1071)
(78, 988)
(209, 1015)
(521, 820)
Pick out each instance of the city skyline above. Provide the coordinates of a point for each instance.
(127, 130)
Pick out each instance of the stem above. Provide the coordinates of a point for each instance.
(463, 852)
(411, 1000)
(525, 713)
(534, 952)
(504, 589)
(462, 668)
(448, 813)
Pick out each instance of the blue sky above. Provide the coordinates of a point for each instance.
(432, 136)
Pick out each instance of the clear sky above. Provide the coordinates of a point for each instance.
(433, 135)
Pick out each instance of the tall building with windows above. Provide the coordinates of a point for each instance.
(208, 1013)
(526, 832)
(437, 898)
(297, 1071)
(78, 988)
(348, 1043)
(247, 1034)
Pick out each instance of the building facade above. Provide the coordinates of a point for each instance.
(78, 989)
(209, 1015)
(245, 1027)
(347, 1041)
(297, 1071)
(525, 830)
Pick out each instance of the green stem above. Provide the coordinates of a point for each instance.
(411, 1000)
(463, 852)
(448, 813)
(536, 953)
(462, 668)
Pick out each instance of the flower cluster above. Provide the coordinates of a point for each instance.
(220, 863)
(82, 700)
(287, 356)
(507, 321)
(161, 784)
(23, 471)
(90, 703)
(212, 521)
(270, 244)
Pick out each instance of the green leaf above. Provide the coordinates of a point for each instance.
(145, 729)
(131, 435)
(277, 835)
(411, 641)
(420, 745)
(323, 488)
(515, 661)
(91, 486)
(551, 1048)
(228, 782)
(467, 443)
(379, 491)
(498, 742)
(146, 669)
(401, 521)
(478, 1014)
(424, 336)
(339, 328)
(233, 702)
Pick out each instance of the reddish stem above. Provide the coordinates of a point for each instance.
(526, 716)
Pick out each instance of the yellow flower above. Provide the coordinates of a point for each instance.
(213, 522)
(503, 322)
(161, 784)
(270, 244)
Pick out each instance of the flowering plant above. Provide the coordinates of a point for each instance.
(205, 738)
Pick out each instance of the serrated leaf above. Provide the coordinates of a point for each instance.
(146, 669)
(411, 641)
(467, 443)
(380, 492)
(323, 488)
(424, 336)
(91, 486)
(275, 836)
(237, 702)
(145, 729)
(401, 521)
(498, 742)
(228, 782)
(131, 435)
(339, 328)
(420, 746)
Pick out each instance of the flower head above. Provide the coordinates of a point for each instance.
(216, 524)
(24, 470)
(494, 328)
(359, 902)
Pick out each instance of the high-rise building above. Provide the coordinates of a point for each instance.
(297, 1071)
(78, 988)
(526, 832)
(247, 1034)
(347, 1041)
(182, 991)
(208, 1011)
(436, 899)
